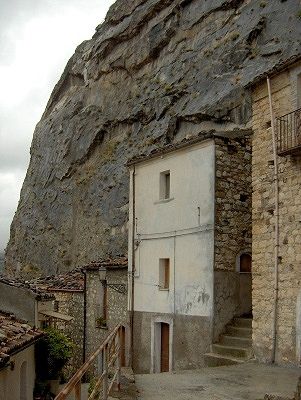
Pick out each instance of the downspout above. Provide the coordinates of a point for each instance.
(133, 268)
(85, 316)
(276, 250)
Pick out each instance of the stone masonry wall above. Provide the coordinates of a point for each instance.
(284, 97)
(232, 224)
(72, 303)
(116, 305)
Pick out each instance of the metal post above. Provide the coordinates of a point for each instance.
(77, 391)
(105, 372)
(119, 344)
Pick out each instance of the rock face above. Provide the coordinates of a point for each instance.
(154, 72)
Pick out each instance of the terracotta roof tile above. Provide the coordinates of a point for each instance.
(14, 335)
(110, 263)
(72, 281)
(36, 291)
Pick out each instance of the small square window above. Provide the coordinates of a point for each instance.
(164, 272)
(165, 185)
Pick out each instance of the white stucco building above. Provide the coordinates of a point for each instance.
(17, 358)
(173, 239)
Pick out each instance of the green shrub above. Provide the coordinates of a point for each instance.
(52, 353)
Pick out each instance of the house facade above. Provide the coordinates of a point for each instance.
(17, 358)
(276, 217)
(190, 223)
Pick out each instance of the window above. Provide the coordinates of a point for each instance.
(56, 305)
(164, 268)
(164, 185)
(245, 263)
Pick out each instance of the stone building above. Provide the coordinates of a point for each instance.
(106, 301)
(94, 299)
(276, 217)
(190, 234)
(68, 292)
(17, 360)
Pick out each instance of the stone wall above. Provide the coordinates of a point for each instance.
(190, 339)
(116, 310)
(72, 303)
(284, 100)
(232, 224)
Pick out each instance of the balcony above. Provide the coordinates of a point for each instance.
(289, 133)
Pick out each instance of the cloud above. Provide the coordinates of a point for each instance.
(36, 40)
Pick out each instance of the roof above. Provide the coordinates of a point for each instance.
(72, 281)
(37, 292)
(201, 137)
(109, 263)
(56, 315)
(14, 336)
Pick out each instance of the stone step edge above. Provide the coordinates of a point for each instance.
(223, 356)
(226, 336)
(226, 346)
(239, 327)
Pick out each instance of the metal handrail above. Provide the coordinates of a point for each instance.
(108, 360)
(289, 133)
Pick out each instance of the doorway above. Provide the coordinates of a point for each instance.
(164, 356)
(161, 345)
(245, 283)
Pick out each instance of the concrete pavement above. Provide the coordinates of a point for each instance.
(248, 381)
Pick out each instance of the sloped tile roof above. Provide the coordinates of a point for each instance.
(72, 281)
(36, 291)
(110, 263)
(14, 335)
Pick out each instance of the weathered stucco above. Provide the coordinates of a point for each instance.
(191, 338)
(180, 229)
(10, 380)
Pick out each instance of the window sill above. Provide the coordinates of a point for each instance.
(102, 327)
(164, 289)
(164, 200)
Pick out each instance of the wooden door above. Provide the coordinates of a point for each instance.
(122, 344)
(164, 347)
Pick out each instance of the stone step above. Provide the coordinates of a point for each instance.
(231, 351)
(233, 330)
(235, 341)
(242, 322)
(217, 360)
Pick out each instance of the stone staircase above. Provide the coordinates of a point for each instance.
(235, 345)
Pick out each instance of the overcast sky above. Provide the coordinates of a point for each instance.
(37, 37)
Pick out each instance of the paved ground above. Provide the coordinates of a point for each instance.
(238, 382)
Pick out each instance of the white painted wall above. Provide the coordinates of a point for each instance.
(10, 379)
(175, 229)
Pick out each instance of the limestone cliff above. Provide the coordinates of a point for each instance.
(154, 72)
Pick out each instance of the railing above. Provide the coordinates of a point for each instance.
(289, 133)
(108, 357)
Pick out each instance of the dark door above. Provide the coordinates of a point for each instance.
(164, 347)
(122, 347)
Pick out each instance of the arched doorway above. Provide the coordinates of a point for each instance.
(23, 381)
(244, 267)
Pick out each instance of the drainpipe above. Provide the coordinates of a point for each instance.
(276, 249)
(85, 316)
(133, 269)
